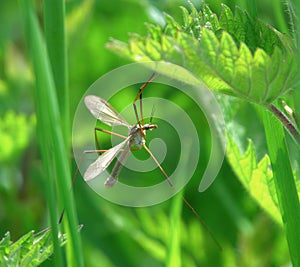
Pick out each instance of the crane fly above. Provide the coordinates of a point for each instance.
(104, 112)
(135, 140)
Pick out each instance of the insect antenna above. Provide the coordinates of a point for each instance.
(152, 114)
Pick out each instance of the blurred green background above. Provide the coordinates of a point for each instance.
(115, 235)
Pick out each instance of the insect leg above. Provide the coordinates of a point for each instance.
(76, 174)
(139, 96)
(199, 218)
(158, 165)
(98, 150)
(108, 132)
(104, 131)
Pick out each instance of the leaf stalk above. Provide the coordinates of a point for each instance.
(286, 122)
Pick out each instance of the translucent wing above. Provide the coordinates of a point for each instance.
(104, 112)
(103, 161)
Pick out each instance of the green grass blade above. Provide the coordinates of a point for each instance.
(56, 45)
(51, 139)
(284, 184)
(33, 40)
(174, 250)
(293, 8)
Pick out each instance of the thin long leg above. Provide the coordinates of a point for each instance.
(72, 185)
(184, 199)
(76, 174)
(199, 218)
(158, 165)
(77, 171)
(98, 150)
(139, 96)
(94, 151)
(104, 131)
(108, 132)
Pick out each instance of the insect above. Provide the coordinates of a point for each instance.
(135, 140)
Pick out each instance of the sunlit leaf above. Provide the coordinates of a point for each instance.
(30, 250)
(256, 177)
(231, 54)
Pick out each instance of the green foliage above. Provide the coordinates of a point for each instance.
(236, 55)
(284, 184)
(231, 54)
(14, 139)
(52, 118)
(161, 235)
(256, 176)
(30, 250)
(154, 233)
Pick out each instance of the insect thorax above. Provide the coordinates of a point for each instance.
(137, 139)
(138, 134)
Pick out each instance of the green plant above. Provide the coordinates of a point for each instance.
(238, 55)
(30, 250)
(53, 118)
(208, 45)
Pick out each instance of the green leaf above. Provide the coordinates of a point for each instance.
(23, 243)
(256, 177)
(31, 258)
(231, 54)
(30, 250)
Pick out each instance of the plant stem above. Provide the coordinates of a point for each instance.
(286, 122)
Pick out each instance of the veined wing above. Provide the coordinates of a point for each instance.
(104, 112)
(103, 161)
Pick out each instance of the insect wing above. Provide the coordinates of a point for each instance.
(104, 112)
(103, 161)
